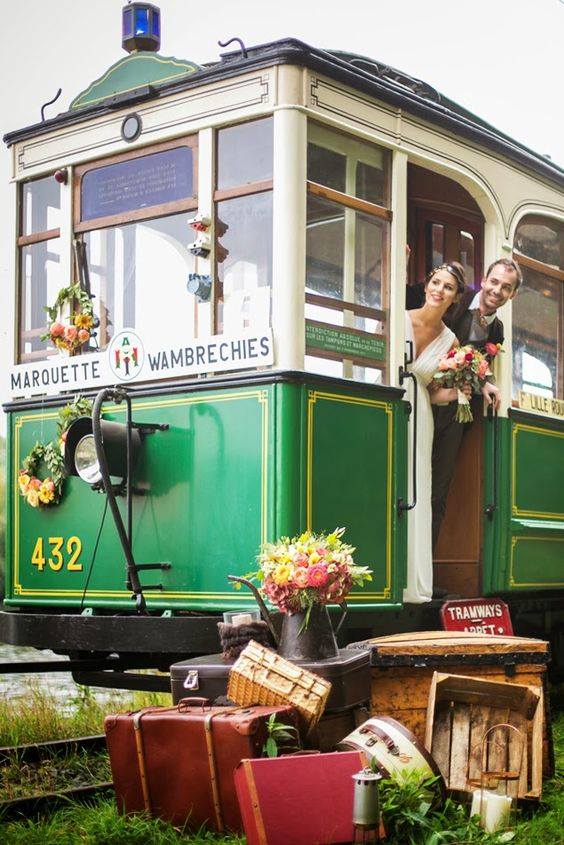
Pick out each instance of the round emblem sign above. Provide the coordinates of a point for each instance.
(126, 355)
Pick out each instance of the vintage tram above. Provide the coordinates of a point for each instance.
(240, 232)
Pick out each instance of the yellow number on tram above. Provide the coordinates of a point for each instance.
(56, 561)
(74, 548)
(37, 558)
(56, 545)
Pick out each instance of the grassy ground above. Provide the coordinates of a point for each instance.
(39, 717)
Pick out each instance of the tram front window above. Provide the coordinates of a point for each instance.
(138, 275)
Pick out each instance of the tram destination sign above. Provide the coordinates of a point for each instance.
(128, 359)
(345, 342)
(541, 404)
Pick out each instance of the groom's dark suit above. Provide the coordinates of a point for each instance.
(448, 433)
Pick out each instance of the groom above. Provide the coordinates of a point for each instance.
(473, 320)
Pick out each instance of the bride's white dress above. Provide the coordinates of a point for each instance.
(419, 545)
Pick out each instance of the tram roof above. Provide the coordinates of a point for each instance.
(360, 72)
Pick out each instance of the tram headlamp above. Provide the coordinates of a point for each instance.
(86, 460)
(80, 449)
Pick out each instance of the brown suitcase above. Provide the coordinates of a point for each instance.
(177, 763)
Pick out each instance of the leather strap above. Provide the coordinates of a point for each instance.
(255, 803)
(213, 771)
(141, 757)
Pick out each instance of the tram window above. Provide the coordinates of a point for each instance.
(346, 256)
(467, 252)
(138, 275)
(243, 227)
(41, 281)
(244, 154)
(244, 262)
(537, 325)
(326, 167)
(538, 310)
(41, 206)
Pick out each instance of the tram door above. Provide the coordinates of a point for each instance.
(446, 224)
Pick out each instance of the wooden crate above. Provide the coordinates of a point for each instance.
(461, 709)
(403, 666)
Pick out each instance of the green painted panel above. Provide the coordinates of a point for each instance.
(334, 339)
(205, 510)
(350, 479)
(131, 72)
(538, 462)
(537, 562)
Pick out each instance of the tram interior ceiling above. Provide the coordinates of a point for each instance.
(235, 233)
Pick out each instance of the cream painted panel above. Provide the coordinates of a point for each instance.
(176, 115)
(499, 187)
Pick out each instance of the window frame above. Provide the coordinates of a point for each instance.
(261, 186)
(357, 150)
(22, 241)
(553, 273)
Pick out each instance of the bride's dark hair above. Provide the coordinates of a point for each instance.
(455, 269)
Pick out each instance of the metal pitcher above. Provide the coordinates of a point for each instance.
(298, 641)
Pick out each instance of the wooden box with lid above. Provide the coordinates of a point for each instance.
(402, 667)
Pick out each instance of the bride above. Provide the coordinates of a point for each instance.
(430, 339)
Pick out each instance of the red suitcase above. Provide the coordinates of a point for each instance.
(298, 800)
(177, 763)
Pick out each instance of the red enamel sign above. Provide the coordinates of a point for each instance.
(480, 616)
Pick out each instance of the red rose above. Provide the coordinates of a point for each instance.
(492, 349)
(450, 353)
(469, 356)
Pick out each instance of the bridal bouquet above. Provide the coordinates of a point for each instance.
(465, 365)
(310, 569)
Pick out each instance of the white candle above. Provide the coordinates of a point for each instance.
(241, 619)
(497, 812)
(477, 803)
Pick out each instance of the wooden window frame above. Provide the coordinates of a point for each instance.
(224, 194)
(557, 275)
(348, 146)
(150, 212)
(22, 241)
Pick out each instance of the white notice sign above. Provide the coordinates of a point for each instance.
(128, 360)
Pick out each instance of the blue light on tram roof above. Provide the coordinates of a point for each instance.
(141, 21)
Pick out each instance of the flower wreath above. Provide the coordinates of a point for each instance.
(42, 492)
(78, 330)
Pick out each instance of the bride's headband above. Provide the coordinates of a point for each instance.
(454, 271)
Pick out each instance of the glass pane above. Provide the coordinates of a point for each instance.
(244, 154)
(370, 183)
(244, 262)
(537, 312)
(541, 239)
(467, 256)
(326, 167)
(41, 282)
(138, 274)
(369, 235)
(325, 247)
(436, 235)
(41, 206)
(137, 183)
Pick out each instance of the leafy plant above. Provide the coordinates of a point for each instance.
(279, 734)
(80, 407)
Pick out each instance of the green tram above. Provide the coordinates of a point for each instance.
(240, 231)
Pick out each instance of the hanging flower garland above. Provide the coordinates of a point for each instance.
(76, 330)
(43, 492)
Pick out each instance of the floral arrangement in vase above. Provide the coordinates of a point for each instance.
(464, 365)
(298, 572)
(71, 332)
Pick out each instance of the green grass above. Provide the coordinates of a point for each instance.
(40, 716)
(18, 778)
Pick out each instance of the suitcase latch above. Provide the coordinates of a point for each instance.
(192, 680)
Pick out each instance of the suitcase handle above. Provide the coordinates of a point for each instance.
(193, 701)
(386, 739)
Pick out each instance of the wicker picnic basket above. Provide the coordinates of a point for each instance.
(260, 676)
